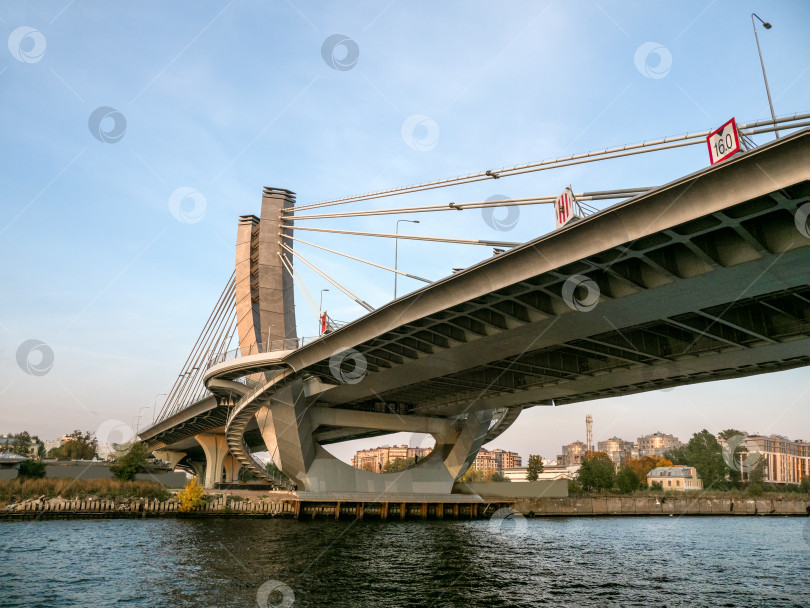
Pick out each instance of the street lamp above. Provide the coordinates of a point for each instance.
(137, 427)
(396, 251)
(154, 406)
(320, 311)
(767, 26)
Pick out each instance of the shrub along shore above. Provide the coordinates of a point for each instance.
(20, 489)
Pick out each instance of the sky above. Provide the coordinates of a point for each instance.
(134, 135)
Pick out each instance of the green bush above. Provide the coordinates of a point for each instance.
(245, 474)
(626, 480)
(129, 461)
(596, 472)
(32, 469)
(657, 486)
(805, 485)
(755, 489)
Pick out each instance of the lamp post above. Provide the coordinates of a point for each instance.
(154, 406)
(320, 311)
(137, 427)
(396, 251)
(767, 26)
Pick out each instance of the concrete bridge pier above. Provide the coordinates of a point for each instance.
(287, 423)
(170, 456)
(232, 468)
(198, 467)
(217, 459)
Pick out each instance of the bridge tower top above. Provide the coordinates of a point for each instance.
(265, 304)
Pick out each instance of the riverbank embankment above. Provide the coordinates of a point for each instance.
(285, 504)
(687, 505)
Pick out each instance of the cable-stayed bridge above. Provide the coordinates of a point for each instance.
(704, 278)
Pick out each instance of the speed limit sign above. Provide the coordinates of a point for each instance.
(723, 142)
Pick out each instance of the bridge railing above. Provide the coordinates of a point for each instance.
(259, 348)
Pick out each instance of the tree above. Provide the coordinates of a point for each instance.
(79, 446)
(191, 496)
(33, 469)
(397, 464)
(496, 476)
(596, 472)
(677, 455)
(21, 444)
(729, 433)
(627, 480)
(758, 474)
(535, 467)
(705, 454)
(642, 466)
(129, 460)
(736, 458)
(473, 475)
(805, 485)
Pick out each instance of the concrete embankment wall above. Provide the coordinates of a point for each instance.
(56, 508)
(568, 507)
(222, 506)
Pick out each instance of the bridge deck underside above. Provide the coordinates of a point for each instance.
(736, 283)
(725, 294)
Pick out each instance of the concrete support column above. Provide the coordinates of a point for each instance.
(199, 469)
(170, 456)
(232, 467)
(287, 431)
(470, 439)
(215, 448)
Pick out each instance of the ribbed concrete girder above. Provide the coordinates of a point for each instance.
(703, 279)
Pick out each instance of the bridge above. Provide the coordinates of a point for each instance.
(705, 278)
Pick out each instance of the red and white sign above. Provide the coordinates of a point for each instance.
(723, 142)
(324, 324)
(564, 208)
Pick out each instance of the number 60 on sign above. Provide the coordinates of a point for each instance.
(723, 142)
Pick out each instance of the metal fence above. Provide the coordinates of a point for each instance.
(270, 346)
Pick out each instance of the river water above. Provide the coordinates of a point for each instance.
(654, 561)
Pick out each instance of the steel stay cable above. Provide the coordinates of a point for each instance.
(513, 202)
(168, 404)
(414, 238)
(224, 336)
(192, 381)
(185, 380)
(334, 282)
(606, 153)
(346, 255)
(293, 274)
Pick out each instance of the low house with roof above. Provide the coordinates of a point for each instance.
(677, 478)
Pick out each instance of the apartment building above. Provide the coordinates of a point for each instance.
(374, 460)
